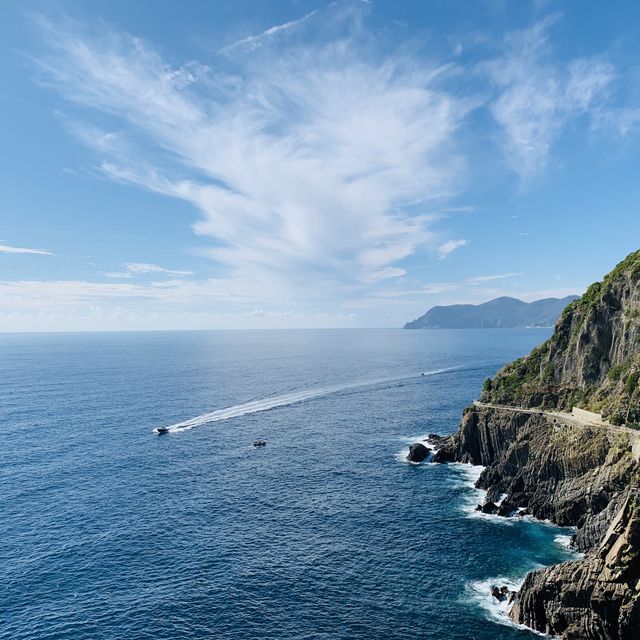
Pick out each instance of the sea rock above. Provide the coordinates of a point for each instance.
(488, 507)
(444, 455)
(418, 452)
(502, 594)
(506, 509)
(497, 594)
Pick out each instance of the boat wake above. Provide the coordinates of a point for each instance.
(286, 399)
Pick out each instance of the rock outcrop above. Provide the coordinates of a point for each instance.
(539, 459)
(595, 597)
(418, 452)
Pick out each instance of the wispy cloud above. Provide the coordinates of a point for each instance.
(315, 163)
(623, 120)
(301, 164)
(498, 276)
(538, 94)
(254, 41)
(449, 247)
(384, 297)
(7, 249)
(133, 268)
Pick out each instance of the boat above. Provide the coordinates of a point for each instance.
(260, 443)
(162, 430)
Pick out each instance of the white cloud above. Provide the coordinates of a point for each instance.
(38, 305)
(537, 95)
(253, 42)
(381, 298)
(301, 164)
(623, 120)
(133, 268)
(7, 249)
(498, 276)
(449, 247)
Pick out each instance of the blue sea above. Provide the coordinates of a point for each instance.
(110, 531)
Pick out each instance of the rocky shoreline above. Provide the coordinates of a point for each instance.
(539, 460)
(571, 476)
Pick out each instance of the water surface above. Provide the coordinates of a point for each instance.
(110, 531)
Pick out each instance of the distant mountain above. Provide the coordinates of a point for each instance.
(501, 313)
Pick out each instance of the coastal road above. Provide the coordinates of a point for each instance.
(573, 418)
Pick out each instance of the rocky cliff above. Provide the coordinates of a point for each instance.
(592, 360)
(561, 468)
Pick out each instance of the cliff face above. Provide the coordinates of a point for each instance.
(596, 597)
(557, 469)
(568, 471)
(593, 358)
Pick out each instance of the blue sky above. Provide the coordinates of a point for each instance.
(291, 163)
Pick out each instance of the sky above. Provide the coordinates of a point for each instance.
(305, 164)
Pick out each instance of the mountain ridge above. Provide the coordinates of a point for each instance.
(501, 312)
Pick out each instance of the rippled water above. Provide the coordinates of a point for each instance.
(111, 531)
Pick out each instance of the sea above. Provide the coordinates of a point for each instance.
(111, 531)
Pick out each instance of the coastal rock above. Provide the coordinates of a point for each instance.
(497, 594)
(436, 440)
(418, 452)
(592, 360)
(507, 509)
(502, 594)
(444, 455)
(488, 507)
(560, 471)
(597, 596)
(578, 470)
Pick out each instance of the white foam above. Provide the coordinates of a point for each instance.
(264, 404)
(480, 593)
(500, 499)
(563, 541)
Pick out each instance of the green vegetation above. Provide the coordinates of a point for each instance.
(631, 382)
(630, 264)
(616, 372)
(567, 370)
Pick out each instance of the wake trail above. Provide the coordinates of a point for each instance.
(286, 399)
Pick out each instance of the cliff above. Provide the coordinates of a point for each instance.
(592, 360)
(570, 469)
(502, 312)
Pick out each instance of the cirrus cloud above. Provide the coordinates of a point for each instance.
(318, 163)
(8, 249)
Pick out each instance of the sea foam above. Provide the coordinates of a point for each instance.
(480, 592)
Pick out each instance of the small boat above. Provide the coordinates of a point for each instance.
(162, 430)
(260, 443)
